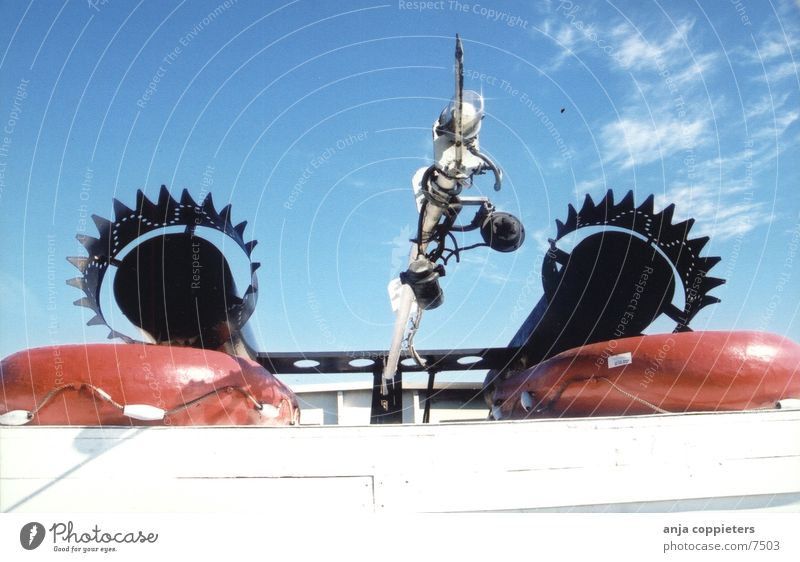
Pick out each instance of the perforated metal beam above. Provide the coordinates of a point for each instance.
(297, 363)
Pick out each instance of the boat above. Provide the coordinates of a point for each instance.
(191, 417)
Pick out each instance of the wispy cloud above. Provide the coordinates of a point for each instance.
(783, 70)
(630, 141)
(589, 186)
(771, 47)
(668, 84)
(540, 238)
(489, 271)
(770, 115)
(721, 213)
(765, 105)
(785, 120)
(677, 106)
(774, 50)
(635, 52)
(700, 65)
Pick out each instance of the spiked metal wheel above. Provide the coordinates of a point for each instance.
(657, 230)
(157, 268)
(615, 282)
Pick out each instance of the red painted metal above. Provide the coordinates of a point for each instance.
(161, 376)
(684, 372)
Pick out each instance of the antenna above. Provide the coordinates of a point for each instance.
(458, 108)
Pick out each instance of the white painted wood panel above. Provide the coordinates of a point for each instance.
(450, 467)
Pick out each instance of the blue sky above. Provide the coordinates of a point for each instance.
(311, 117)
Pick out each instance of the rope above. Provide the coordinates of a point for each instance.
(231, 388)
(565, 384)
(634, 398)
(75, 387)
(103, 395)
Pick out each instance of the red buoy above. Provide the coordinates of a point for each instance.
(683, 372)
(133, 384)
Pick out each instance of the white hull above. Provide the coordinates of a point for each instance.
(742, 460)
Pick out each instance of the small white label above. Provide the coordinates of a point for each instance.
(620, 360)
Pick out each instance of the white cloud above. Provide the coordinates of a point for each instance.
(765, 105)
(771, 116)
(700, 65)
(668, 87)
(489, 271)
(785, 120)
(772, 53)
(721, 216)
(777, 108)
(635, 52)
(783, 70)
(567, 36)
(589, 186)
(771, 47)
(631, 141)
(540, 237)
(671, 109)
(567, 39)
(494, 277)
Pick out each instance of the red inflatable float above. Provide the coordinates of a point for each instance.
(684, 372)
(133, 384)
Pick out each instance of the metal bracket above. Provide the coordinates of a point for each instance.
(387, 394)
(313, 362)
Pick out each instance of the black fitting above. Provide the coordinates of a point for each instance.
(423, 278)
(502, 231)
